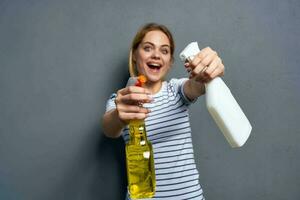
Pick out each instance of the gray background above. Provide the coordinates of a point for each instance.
(60, 61)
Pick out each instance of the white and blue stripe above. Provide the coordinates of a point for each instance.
(168, 129)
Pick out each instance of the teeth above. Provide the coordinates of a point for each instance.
(155, 64)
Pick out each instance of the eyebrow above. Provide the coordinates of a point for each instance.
(164, 45)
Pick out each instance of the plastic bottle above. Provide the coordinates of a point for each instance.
(222, 106)
(139, 157)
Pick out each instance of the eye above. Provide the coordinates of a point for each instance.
(165, 51)
(147, 48)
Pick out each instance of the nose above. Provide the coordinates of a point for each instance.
(156, 54)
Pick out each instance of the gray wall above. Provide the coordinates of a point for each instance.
(60, 60)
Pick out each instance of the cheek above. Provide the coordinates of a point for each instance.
(168, 61)
(141, 58)
(140, 68)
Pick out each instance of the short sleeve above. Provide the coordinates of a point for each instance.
(177, 85)
(110, 104)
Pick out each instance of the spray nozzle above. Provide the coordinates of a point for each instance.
(140, 80)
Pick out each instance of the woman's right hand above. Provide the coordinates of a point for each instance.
(129, 103)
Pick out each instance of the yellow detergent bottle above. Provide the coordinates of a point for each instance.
(139, 158)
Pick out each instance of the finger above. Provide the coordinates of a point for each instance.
(186, 64)
(133, 89)
(132, 109)
(208, 50)
(208, 59)
(196, 60)
(212, 67)
(208, 55)
(217, 72)
(201, 55)
(136, 97)
(201, 77)
(222, 69)
(131, 116)
(204, 52)
(218, 66)
(188, 69)
(198, 69)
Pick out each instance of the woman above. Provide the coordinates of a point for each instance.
(165, 108)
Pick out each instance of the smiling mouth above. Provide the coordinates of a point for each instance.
(154, 66)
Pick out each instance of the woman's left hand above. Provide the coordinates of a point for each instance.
(205, 66)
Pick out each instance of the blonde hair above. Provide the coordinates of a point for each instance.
(140, 36)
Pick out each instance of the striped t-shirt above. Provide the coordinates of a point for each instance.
(168, 129)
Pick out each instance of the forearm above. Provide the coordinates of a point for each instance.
(112, 125)
(193, 89)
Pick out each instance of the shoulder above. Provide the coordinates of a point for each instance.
(113, 96)
(176, 86)
(110, 104)
(176, 83)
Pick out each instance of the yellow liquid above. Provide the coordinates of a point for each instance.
(140, 163)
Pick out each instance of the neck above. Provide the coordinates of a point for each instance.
(154, 87)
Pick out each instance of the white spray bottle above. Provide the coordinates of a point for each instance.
(222, 106)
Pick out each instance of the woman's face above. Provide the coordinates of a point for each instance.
(153, 56)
